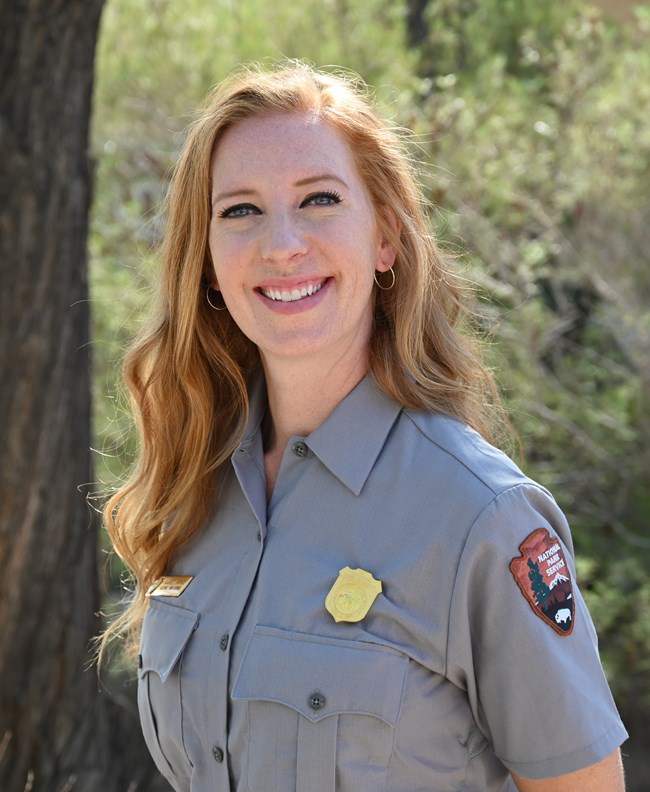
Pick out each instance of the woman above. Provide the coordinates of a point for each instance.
(343, 585)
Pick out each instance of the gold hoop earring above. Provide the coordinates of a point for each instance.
(386, 288)
(210, 303)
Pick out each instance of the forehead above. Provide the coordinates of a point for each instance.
(281, 143)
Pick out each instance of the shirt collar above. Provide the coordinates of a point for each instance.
(350, 440)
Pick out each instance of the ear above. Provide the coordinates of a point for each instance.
(386, 252)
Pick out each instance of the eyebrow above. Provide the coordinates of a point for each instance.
(300, 183)
(320, 177)
(231, 194)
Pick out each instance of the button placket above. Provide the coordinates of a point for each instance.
(241, 495)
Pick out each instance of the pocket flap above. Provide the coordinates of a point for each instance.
(165, 632)
(319, 676)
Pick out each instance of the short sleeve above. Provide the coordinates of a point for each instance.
(522, 643)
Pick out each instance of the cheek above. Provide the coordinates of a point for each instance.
(213, 248)
(226, 246)
(223, 256)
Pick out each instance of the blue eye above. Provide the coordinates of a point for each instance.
(323, 198)
(239, 210)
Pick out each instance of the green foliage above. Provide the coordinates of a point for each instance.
(534, 116)
(541, 172)
(465, 34)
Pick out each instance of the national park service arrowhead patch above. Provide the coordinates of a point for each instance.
(542, 575)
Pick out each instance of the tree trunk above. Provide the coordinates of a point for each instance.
(56, 732)
(417, 29)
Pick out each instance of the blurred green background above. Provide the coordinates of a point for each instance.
(531, 120)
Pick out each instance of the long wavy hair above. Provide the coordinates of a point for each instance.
(189, 370)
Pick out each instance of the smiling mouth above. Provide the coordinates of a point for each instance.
(293, 295)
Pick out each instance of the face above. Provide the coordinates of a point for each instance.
(294, 240)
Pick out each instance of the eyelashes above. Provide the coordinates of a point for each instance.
(321, 198)
(238, 210)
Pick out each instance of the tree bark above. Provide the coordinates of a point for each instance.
(56, 732)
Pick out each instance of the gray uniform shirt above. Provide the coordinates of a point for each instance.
(466, 664)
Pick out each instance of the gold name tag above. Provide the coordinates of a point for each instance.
(170, 586)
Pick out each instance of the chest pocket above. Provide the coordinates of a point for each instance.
(166, 632)
(321, 711)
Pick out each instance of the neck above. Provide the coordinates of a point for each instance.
(302, 396)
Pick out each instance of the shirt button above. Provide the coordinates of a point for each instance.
(217, 752)
(317, 700)
(223, 643)
(300, 449)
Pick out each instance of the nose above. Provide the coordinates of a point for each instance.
(283, 238)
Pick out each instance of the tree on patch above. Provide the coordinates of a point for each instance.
(541, 591)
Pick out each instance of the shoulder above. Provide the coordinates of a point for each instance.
(464, 451)
(510, 503)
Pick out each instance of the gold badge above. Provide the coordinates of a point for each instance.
(352, 595)
(169, 586)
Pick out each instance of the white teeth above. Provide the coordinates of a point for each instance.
(294, 294)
